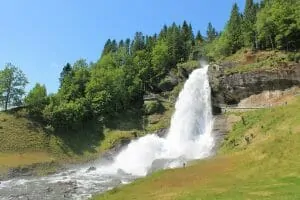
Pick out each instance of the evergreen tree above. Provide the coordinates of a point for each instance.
(138, 42)
(249, 20)
(278, 24)
(127, 45)
(175, 44)
(199, 38)
(163, 32)
(106, 48)
(121, 44)
(211, 33)
(234, 29)
(114, 46)
(65, 72)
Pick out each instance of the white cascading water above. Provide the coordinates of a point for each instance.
(189, 136)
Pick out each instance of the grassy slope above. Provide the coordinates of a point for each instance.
(25, 142)
(247, 61)
(267, 168)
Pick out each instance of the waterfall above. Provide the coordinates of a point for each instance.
(189, 136)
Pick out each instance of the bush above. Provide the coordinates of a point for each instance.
(294, 57)
(151, 107)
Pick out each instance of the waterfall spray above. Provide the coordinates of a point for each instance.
(189, 136)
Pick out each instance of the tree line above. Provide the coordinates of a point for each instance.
(130, 68)
(269, 24)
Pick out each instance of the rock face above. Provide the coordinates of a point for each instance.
(231, 88)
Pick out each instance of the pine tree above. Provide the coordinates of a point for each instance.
(175, 44)
(127, 45)
(211, 32)
(235, 29)
(199, 38)
(249, 34)
(192, 36)
(106, 48)
(65, 72)
(188, 39)
(138, 42)
(121, 44)
(163, 32)
(114, 46)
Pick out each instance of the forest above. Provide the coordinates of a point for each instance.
(131, 68)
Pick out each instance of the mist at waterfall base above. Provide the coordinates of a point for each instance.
(189, 138)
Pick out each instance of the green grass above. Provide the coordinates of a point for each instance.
(258, 61)
(189, 65)
(25, 142)
(159, 120)
(112, 137)
(266, 168)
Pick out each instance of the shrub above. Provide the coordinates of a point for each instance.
(151, 107)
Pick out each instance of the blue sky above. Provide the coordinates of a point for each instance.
(41, 36)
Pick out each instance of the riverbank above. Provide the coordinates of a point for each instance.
(257, 160)
(29, 149)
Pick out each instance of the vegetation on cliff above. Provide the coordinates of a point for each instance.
(267, 25)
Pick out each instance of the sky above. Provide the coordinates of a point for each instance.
(40, 37)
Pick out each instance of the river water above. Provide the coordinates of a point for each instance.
(189, 137)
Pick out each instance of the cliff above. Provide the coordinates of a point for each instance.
(231, 88)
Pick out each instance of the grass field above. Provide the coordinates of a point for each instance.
(266, 167)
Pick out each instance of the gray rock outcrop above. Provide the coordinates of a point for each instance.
(231, 88)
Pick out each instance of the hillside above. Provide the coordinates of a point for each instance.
(27, 144)
(266, 167)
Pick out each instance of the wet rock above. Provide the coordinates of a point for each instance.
(162, 132)
(49, 189)
(19, 172)
(90, 169)
(110, 154)
(122, 172)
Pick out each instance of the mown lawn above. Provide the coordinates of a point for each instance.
(266, 167)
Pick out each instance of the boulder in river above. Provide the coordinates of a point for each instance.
(90, 169)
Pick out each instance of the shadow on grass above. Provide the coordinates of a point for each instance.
(82, 139)
(126, 121)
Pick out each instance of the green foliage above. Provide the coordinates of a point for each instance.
(266, 61)
(36, 101)
(160, 59)
(12, 84)
(66, 115)
(275, 24)
(234, 30)
(295, 57)
(248, 24)
(211, 33)
(65, 73)
(151, 107)
(264, 169)
(278, 25)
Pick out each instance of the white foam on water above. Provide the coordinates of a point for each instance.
(189, 136)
